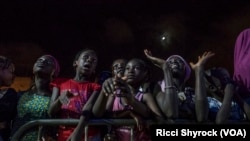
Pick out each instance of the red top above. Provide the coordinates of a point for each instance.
(82, 92)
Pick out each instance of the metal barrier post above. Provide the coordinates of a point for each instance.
(86, 128)
(131, 133)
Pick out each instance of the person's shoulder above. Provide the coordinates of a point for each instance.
(21, 93)
(8, 90)
(60, 80)
(11, 90)
(89, 84)
(94, 83)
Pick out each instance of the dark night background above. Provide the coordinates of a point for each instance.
(120, 28)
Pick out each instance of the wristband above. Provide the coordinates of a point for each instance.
(171, 87)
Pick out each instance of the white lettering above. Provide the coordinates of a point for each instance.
(164, 132)
(231, 132)
(194, 134)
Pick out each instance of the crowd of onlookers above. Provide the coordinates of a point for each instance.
(126, 92)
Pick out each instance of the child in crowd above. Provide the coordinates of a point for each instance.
(118, 67)
(223, 104)
(74, 98)
(135, 103)
(222, 94)
(8, 97)
(175, 99)
(33, 103)
(241, 63)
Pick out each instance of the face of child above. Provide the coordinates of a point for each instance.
(86, 63)
(45, 65)
(7, 75)
(215, 85)
(118, 67)
(135, 72)
(177, 66)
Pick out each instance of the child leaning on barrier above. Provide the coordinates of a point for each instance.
(74, 98)
(116, 102)
(132, 101)
(175, 99)
(33, 103)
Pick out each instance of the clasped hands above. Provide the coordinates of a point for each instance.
(117, 87)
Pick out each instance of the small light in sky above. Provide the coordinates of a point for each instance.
(163, 38)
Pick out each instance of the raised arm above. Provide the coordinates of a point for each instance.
(201, 104)
(224, 112)
(151, 103)
(168, 99)
(156, 61)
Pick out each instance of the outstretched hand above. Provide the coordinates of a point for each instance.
(156, 61)
(124, 91)
(108, 86)
(202, 60)
(65, 97)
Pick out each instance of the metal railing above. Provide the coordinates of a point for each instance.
(69, 122)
